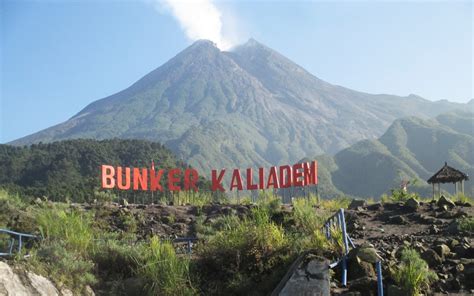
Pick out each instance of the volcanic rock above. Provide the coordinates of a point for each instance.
(432, 258)
(444, 201)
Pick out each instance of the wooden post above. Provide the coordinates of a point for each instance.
(439, 189)
(455, 188)
(433, 191)
(462, 186)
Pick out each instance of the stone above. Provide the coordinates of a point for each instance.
(10, 283)
(355, 203)
(309, 277)
(453, 228)
(366, 285)
(66, 292)
(358, 268)
(42, 285)
(412, 204)
(28, 284)
(442, 250)
(432, 258)
(469, 277)
(434, 229)
(444, 201)
(366, 253)
(461, 250)
(398, 220)
(375, 207)
(123, 202)
(88, 291)
(459, 268)
(453, 243)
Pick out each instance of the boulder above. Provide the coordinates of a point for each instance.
(358, 268)
(444, 201)
(42, 285)
(366, 253)
(442, 250)
(10, 283)
(355, 203)
(367, 286)
(412, 204)
(309, 275)
(27, 284)
(432, 258)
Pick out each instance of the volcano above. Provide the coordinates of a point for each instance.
(239, 108)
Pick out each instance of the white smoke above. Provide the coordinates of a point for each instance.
(200, 19)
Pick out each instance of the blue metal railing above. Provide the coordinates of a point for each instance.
(338, 221)
(15, 236)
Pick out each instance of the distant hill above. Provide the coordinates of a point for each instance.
(249, 106)
(71, 169)
(410, 148)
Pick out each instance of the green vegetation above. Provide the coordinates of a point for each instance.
(237, 254)
(411, 148)
(467, 224)
(413, 274)
(163, 272)
(70, 170)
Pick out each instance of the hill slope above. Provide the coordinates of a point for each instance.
(250, 106)
(410, 148)
(71, 168)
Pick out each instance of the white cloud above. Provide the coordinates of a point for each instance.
(200, 19)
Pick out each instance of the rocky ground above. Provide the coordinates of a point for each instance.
(431, 228)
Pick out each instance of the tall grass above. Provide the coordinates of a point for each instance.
(413, 274)
(164, 272)
(70, 226)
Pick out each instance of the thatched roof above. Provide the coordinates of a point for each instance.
(448, 174)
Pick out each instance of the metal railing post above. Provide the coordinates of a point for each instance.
(12, 243)
(19, 243)
(378, 266)
(344, 271)
(344, 233)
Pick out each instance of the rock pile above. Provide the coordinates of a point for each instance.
(431, 228)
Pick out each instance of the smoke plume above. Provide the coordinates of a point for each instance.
(200, 19)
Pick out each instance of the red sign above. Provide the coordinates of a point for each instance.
(125, 178)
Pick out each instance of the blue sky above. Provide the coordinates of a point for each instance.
(58, 56)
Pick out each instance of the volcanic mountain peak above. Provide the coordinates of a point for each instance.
(247, 106)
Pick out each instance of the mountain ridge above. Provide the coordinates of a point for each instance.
(248, 106)
(401, 153)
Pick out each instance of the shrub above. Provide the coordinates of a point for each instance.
(68, 225)
(460, 197)
(244, 253)
(163, 271)
(413, 274)
(66, 268)
(305, 217)
(467, 224)
(400, 195)
(335, 203)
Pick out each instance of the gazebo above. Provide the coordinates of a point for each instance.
(448, 174)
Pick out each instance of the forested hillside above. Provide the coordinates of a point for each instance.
(70, 169)
(412, 148)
